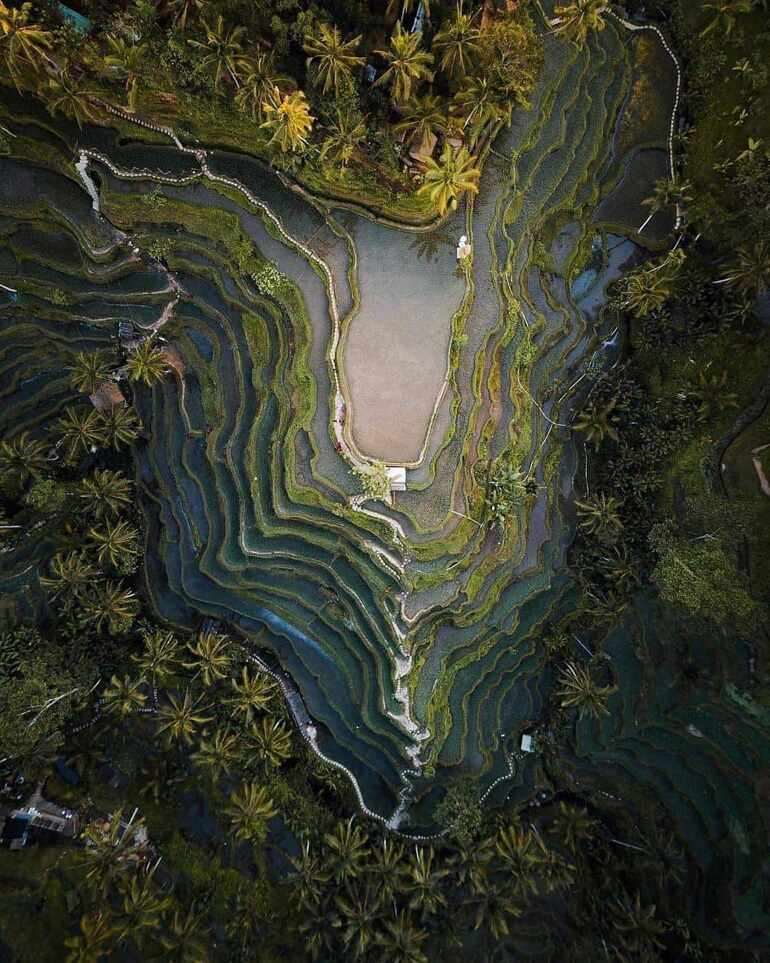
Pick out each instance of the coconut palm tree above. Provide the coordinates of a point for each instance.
(600, 515)
(386, 868)
(88, 369)
(269, 740)
(185, 939)
(408, 64)
(222, 50)
(216, 753)
(67, 94)
(425, 883)
(80, 430)
(360, 908)
(251, 694)
(69, 573)
(575, 20)
(494, 908)
(22, 457)
(318, 923)
(111, 847)
(105, 493)
(159, 662)
(470, 862)
(113, 542)
(519, 853)
(331, 58)
(124, 696)
(128, 58)
(446, 179)
(212, 657)
(667, 194)
(457, 44)
(180, 719)
(259, 80)
(477, 104)
(710, 391)
(406, 7)
(572, 826)
(598, 421)
(94, 940)
(347, 851)
(249, 812)
(343, 138)
(117, 426)
(424, 116)
(112, 604)
(183, 9)
(289, 120)
(646, 291)
(147, 363)
(750, 272)
(401, 940)
(579, 690)
(22, 44)
(726, 13)
(639, 928)
(142, 909)
(310, 877)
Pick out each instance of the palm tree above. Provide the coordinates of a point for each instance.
(317, 924)
(217, 753)
(222, 48)
(406, 7)
(69, 573)
(118, 426)
(469, 864)
(425, 883)
(750, 272)
(212, 657)
(249, 812)
(111, 846)
(638, 926)
(124, 696)
(401, 940)
(91, 944)
(270, 740)
(184, 939)
(289, 119)
(444, 180)
(106, 492)
(309, 875)
(477, 104)
(22, 44)
(600, 516)
(160, 659)
(646, 291)
(710, 392)
(80, 431)
(88, 370)
(22, 457)
(114, 542)
(129, 58)
(520, 854)
(597, 421)
(147, 363)
(494, 908)
(332, 59)
(180, 719)
(580, 691)
(259, 80)
(142, 909)
(112, 604)
(252, 694)
(667, 194)
(386, 868)
(457, 44)
(360, 910)
(725, 14)
(183, 9)
(576, 19)
(573, 826)
(424, 116)
(408, 64)
(68, 94)
(348, 847)
(343, 139)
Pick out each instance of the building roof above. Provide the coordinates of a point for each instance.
(397, 477)
(108, 395)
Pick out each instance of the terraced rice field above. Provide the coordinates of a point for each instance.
(408, 629)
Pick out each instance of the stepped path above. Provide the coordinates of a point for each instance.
(407, 630)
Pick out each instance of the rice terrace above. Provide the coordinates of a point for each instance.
(384, 500)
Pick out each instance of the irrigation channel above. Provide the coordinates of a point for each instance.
(404, 633)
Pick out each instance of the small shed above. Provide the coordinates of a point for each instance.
(107, 396)
(421, 150)
(397, 479)
(463, 248)
(527, 743)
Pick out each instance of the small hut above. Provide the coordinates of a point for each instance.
(107, 396)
